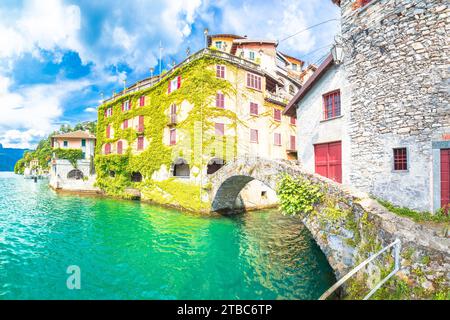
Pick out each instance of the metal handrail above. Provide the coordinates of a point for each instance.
(397, 244)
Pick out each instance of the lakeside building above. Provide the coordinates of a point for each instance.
(78, 174)
(164, 135)
(379, 120)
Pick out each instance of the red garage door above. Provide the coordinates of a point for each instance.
(445, 177)
(328, 160)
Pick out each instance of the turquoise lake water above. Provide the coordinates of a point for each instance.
(131, 250)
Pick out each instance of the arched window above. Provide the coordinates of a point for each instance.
(181, 168)
(214, 165)
(75, 174)
(136, 177)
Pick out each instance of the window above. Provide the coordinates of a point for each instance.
(173, 137)
(332, 104)
(108, 148)
(292, 143)
(83, 142)
(108, 132)
(220, 71)
(253, 135)
(253, 81)
(142, 101)
(174, 84)
(400, 159)
(220, 100)
(219, 44)
(251, 55)
(66, 144)
(291, 89)
(173, 114)
(294, 67)
(125, 124)
(140, 143)
(126, 105)
(253, 109)
(119, 147)
(141, 124)
(108, 112)
(220, 129)
(277, 139)
(293, 120)
(277, 115)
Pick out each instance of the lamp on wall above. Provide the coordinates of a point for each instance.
(338, 53)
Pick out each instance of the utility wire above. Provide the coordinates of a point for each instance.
(316, 25)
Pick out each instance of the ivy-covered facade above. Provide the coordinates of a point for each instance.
(162, 137)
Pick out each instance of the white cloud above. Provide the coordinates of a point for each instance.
(33, 110)
(91, 110)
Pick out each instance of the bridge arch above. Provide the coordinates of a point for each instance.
(348, 225)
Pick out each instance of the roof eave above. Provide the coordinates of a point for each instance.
(291, 107)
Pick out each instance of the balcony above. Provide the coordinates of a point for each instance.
(275, 98)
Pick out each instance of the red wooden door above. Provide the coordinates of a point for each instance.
(328, 160)
(445, 178)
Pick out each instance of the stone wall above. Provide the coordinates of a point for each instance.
(397, 54)
(349, 227)
(59, 177)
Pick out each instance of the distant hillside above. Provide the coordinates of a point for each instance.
(9, 157)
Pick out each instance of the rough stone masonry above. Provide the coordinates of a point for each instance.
(396, 56)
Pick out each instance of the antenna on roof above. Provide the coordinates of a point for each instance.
(160, 58)
(205, 32)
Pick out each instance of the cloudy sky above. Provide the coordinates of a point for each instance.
(57, 56)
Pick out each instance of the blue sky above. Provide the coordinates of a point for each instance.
(57, 56)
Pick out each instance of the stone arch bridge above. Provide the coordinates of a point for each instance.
(348, 225)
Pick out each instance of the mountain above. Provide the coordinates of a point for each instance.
(9, 157)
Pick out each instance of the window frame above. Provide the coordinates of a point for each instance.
(275, 111)
(275, 142)
(220, 100)
(405, 161)
(325, 96)
(255, 79)
(221, 69)
(139, 146)
(251, 136)
(174, 141)
(257, 109)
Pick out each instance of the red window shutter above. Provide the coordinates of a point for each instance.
(123, 106)
(220, 129)
(220, 100)
(173, 137)
(125, 124)
(254, 135)
(293, 143)
(142, 101)
(107, 148)
(119, 147)
(106, 113)
(141, 124)
(140, 143)
(277, 139)
(179, 82)
(253, 108)
(277, 114)
(169, 90)
(108, 131)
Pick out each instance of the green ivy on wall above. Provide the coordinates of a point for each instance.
(199, 88)
(73, 155)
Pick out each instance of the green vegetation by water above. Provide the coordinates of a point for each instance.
(130, 250)
(440, 216)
